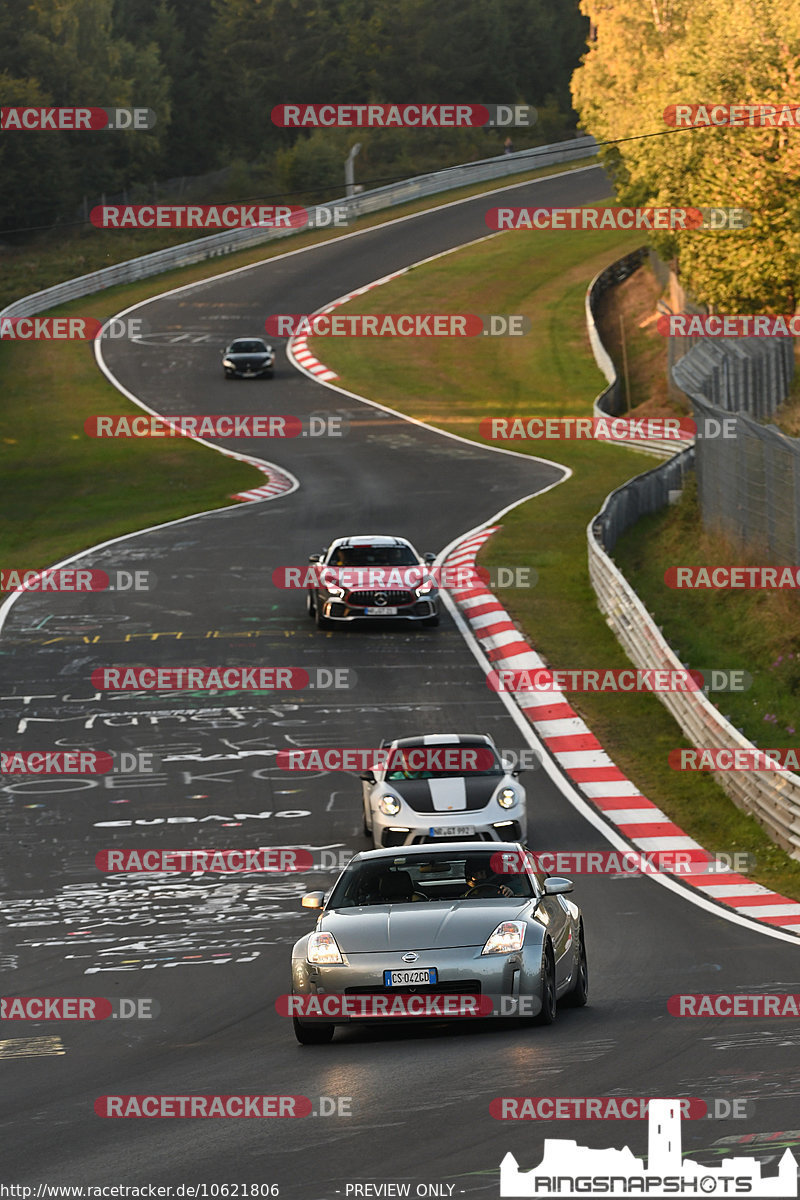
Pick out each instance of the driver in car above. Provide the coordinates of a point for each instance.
(479, 875)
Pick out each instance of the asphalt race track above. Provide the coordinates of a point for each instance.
(213, 951)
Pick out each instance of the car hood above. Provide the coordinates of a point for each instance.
(451, 794)
(370, 929)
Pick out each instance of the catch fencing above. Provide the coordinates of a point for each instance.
(748, 481)
(772, 797)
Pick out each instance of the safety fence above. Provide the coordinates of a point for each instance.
(773, 797)
(748, 474)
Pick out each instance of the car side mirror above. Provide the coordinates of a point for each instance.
(429, 558)
(556, 886)
(313, 900)
(315, 558)
(368, 777)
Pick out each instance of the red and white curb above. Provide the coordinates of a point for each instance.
(306, 359)
(297, 347)
(280, 483)
(583, 760)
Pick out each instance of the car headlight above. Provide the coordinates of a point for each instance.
(507, 797)
(322, 948)
(389, 805)
(226, 362)
(329, 581)
(508, 936)
(424, 588)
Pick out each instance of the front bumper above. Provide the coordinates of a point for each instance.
(340, 610)
(461, 971)
(409, 828)
(255, 373)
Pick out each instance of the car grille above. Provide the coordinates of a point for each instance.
(367, 599)
(454, 987)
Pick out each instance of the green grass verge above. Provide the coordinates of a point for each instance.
(61, 491)
(551, 371)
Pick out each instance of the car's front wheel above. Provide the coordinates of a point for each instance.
(322, 622)
(579, 994)
(431, 622)
(312, 1034)
(547, 1015)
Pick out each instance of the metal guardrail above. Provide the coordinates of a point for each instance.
(772, 797)
(231, 240)
(640, 496)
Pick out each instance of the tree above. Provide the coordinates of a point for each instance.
(648, 54)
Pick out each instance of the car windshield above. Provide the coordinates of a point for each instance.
(404, 879)
(470, 762)
(373, 556)
(247, 347)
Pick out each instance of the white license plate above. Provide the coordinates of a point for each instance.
(410, 978)
(381, 612)
(452, 830)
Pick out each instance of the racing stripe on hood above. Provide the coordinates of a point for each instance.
(419, 794)
(448, 795)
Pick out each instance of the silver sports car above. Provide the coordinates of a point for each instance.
(418, 931)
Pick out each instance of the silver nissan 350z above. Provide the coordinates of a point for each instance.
(436, 932)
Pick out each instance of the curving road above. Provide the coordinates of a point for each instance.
(213, 954)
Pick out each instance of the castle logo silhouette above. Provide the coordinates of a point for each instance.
(568, 1169)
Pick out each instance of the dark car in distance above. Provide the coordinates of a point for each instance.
(248, 358)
